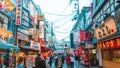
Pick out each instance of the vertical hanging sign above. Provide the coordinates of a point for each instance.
(18, 12)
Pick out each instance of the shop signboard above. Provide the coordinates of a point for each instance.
(76, 37)
(24, 31)
(107, 28)
(35, 45)
(41, 17)
(33, 13)
(32, 31)
(5, 34)
(25, 17)
(22, 36)
(18, 12)
(41, 29)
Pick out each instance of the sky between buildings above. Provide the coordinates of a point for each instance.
(60, 13)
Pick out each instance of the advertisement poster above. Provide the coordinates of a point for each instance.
(76, 39)
(30, 60)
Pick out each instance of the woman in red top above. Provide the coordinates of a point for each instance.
(68, 61)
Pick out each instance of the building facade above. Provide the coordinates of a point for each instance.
(106, 32)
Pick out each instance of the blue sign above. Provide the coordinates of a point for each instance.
(25, 18)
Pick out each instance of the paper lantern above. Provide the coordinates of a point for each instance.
(118, 42)
(98, 46)
(104, 46)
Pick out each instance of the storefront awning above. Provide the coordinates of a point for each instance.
(5, 45)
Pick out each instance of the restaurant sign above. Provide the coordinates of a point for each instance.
(18, 12)
(107, 28)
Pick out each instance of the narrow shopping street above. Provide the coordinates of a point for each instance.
(34, 33)
(79, 66)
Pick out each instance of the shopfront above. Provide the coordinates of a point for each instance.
(7, 50)
(108, 43)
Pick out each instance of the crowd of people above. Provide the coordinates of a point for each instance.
(59, 60)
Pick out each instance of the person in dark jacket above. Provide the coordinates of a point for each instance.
(39, 62)
(59, 61)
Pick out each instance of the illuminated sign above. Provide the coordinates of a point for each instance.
(5, 34)
(18, 12)
(109, 27)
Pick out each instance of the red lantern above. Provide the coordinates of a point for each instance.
(104, 46)
(118, 42)
(113, 44)
(98, 45)
(101, 46)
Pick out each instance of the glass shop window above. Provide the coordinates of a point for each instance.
(111, 55)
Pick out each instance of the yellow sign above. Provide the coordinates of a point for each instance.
(107, 28)
(41, 17)
(5, 34)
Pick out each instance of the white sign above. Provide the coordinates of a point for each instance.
(76, 37)
(35, 45)
(32, 31)
(107, 28)
(23, 31)
(41, 29)
(22, 36)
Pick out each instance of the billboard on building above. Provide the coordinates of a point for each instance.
(82, 35)
(107, 28)
(76, 37)
(18, 12)
(32, 31)
(33, 13)
(35, 45)
(41, 29)
(41, 33)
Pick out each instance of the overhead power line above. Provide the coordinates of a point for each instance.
(57, 14)
(63, 23)
(60, 31)
(64, 38)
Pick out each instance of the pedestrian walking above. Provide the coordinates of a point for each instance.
(50, 61)
(47, 62)
(77, 60)
(72, 61)
(59, 62)
(0, 62)
(68, 61)
(20, 60)
(39, 62)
